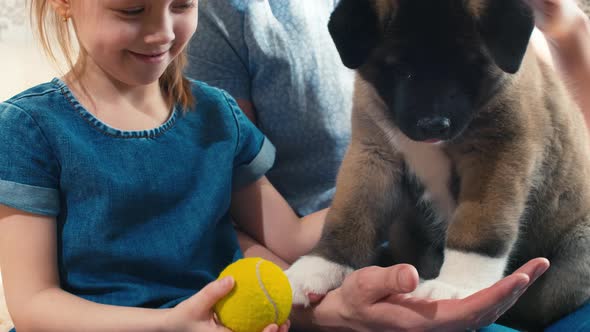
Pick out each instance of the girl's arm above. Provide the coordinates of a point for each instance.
(262, 213)
(33, 294)
(253, 248)
(37, 303)
(248, 108)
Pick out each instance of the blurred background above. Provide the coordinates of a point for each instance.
(23, 62)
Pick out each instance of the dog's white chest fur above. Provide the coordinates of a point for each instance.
(431, 165)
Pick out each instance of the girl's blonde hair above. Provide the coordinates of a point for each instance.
(50, 27)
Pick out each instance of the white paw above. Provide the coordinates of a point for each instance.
(462, 274)
(440, 290)
(315, 275)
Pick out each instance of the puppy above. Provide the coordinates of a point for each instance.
(467, 156)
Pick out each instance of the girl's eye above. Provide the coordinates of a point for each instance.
(185, 5)
(131, 11)
(178, 6)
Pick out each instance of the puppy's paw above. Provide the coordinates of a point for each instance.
(314, 275)
(440, 290)
(462, 274)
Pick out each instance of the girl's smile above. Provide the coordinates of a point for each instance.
(151, 58)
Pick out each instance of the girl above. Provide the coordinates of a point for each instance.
(117, 182)
(117, 186)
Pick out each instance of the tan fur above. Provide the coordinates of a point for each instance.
(490, 184)
(369, 157)
(476, 7)
(524, 170)
(499, 177)
(385, 9)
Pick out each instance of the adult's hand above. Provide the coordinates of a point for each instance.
(375, 299)
(565, 44)
(556, 18)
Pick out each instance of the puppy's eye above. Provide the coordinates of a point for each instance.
(472, 57)
(391, 64)
(390, 60)
(402, 71)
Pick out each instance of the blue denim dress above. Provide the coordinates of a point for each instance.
(142, 216)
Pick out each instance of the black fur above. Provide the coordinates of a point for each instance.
(506, 26)
(442, 72)
(354, 39)
(451, 81)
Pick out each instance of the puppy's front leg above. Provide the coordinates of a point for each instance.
(485, 225)
(364, 202)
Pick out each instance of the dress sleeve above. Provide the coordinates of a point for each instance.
(254, 154)
(218, 54)
(29, 171)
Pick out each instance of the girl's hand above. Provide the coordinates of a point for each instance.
(196, 313)
(375, 299)
(556, 18)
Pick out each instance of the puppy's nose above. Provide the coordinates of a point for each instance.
(434, 127)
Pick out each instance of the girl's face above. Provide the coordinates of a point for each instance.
(133, 41)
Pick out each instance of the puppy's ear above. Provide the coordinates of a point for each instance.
(506, 27)
(354, 27)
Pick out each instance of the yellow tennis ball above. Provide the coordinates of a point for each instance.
(261, 296)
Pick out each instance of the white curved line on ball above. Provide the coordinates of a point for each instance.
(266, 292)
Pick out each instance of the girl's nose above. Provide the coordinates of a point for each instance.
(160, 30)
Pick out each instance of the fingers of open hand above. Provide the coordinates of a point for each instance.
(485, 306)
(407, 313)
(493, 313)
(373, 299)
(534, 268)
(505, 289)
(489, 304)
(374, 283)
(384, 305)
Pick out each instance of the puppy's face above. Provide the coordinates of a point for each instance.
(430, 70)
(432, 62)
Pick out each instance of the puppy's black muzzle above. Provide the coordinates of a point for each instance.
(436, 127)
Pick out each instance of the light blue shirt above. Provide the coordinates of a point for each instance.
(279, 55)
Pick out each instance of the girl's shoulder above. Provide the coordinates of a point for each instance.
(38, 98)
(208, 97)
(205, 92)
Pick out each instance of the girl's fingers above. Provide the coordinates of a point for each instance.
(203, 302)
(271, 328)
